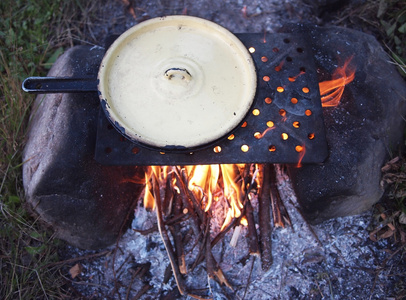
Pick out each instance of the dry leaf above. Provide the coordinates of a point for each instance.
(75, 270)
(386, 234)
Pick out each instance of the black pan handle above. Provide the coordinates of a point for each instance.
(49, 85)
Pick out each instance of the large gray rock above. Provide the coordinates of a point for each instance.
(86, 203)
(362, 132)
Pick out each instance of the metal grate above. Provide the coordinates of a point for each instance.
(284, 125)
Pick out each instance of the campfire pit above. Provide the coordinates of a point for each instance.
(129, 179)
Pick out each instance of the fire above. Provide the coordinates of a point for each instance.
(293, 78)
(210, 184)
(149, 201)
(207, 183)
(203, 182)
(301, 149)
(332, 90)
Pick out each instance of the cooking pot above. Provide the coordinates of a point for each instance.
(170, 83)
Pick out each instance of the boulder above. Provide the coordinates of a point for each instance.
(363, 131)
(86, 203)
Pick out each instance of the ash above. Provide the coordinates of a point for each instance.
(334, 260)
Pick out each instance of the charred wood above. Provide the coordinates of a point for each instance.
(252, 232)
(177, 236)
(165, 237)
(265, 218)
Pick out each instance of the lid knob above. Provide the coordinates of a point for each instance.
(178, 75)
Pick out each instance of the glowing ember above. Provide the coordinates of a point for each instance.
(332, 90)
(244, 221)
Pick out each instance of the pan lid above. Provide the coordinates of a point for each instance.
(177, 82)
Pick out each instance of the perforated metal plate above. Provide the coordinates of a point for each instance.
(285, 124)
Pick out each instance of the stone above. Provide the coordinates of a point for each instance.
(363, 132)
(87, 204)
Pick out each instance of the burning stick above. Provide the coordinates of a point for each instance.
(249, 212)
(236, 234)
(206, 239)
(165, 237)
(252, 232)
(181, 178)
(213, 270)
(265, 219)
(275, 199)
(187, 203)
(169, 195)
(177, 237)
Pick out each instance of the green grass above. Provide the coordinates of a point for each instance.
(386, 19)
(32, 34)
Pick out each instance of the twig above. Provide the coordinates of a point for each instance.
(252, 235)
(265, 219)
(232, 224)
(191, 196)
(176, 219)
(144, 289)
(129, 286)
(187, 203)
(219, 273)
(165, 237)
(213, 270)
(154, 228)
(209, 256)
(169, 195)
(281, 206)
(275, 199)
(252, 232)
(206, 239)
(249, 278)
(177, 237)
(76, 259)
(82, 282)
(236, 235)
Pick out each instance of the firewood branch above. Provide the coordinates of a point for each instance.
(165, 237)
(265, 218)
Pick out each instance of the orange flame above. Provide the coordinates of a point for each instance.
(264, 39)
(302, 151)
(260, 136)
(244, 221)
(293, 78)
(332, 90)
(204, 181)
(208, 183)
(149, 201)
